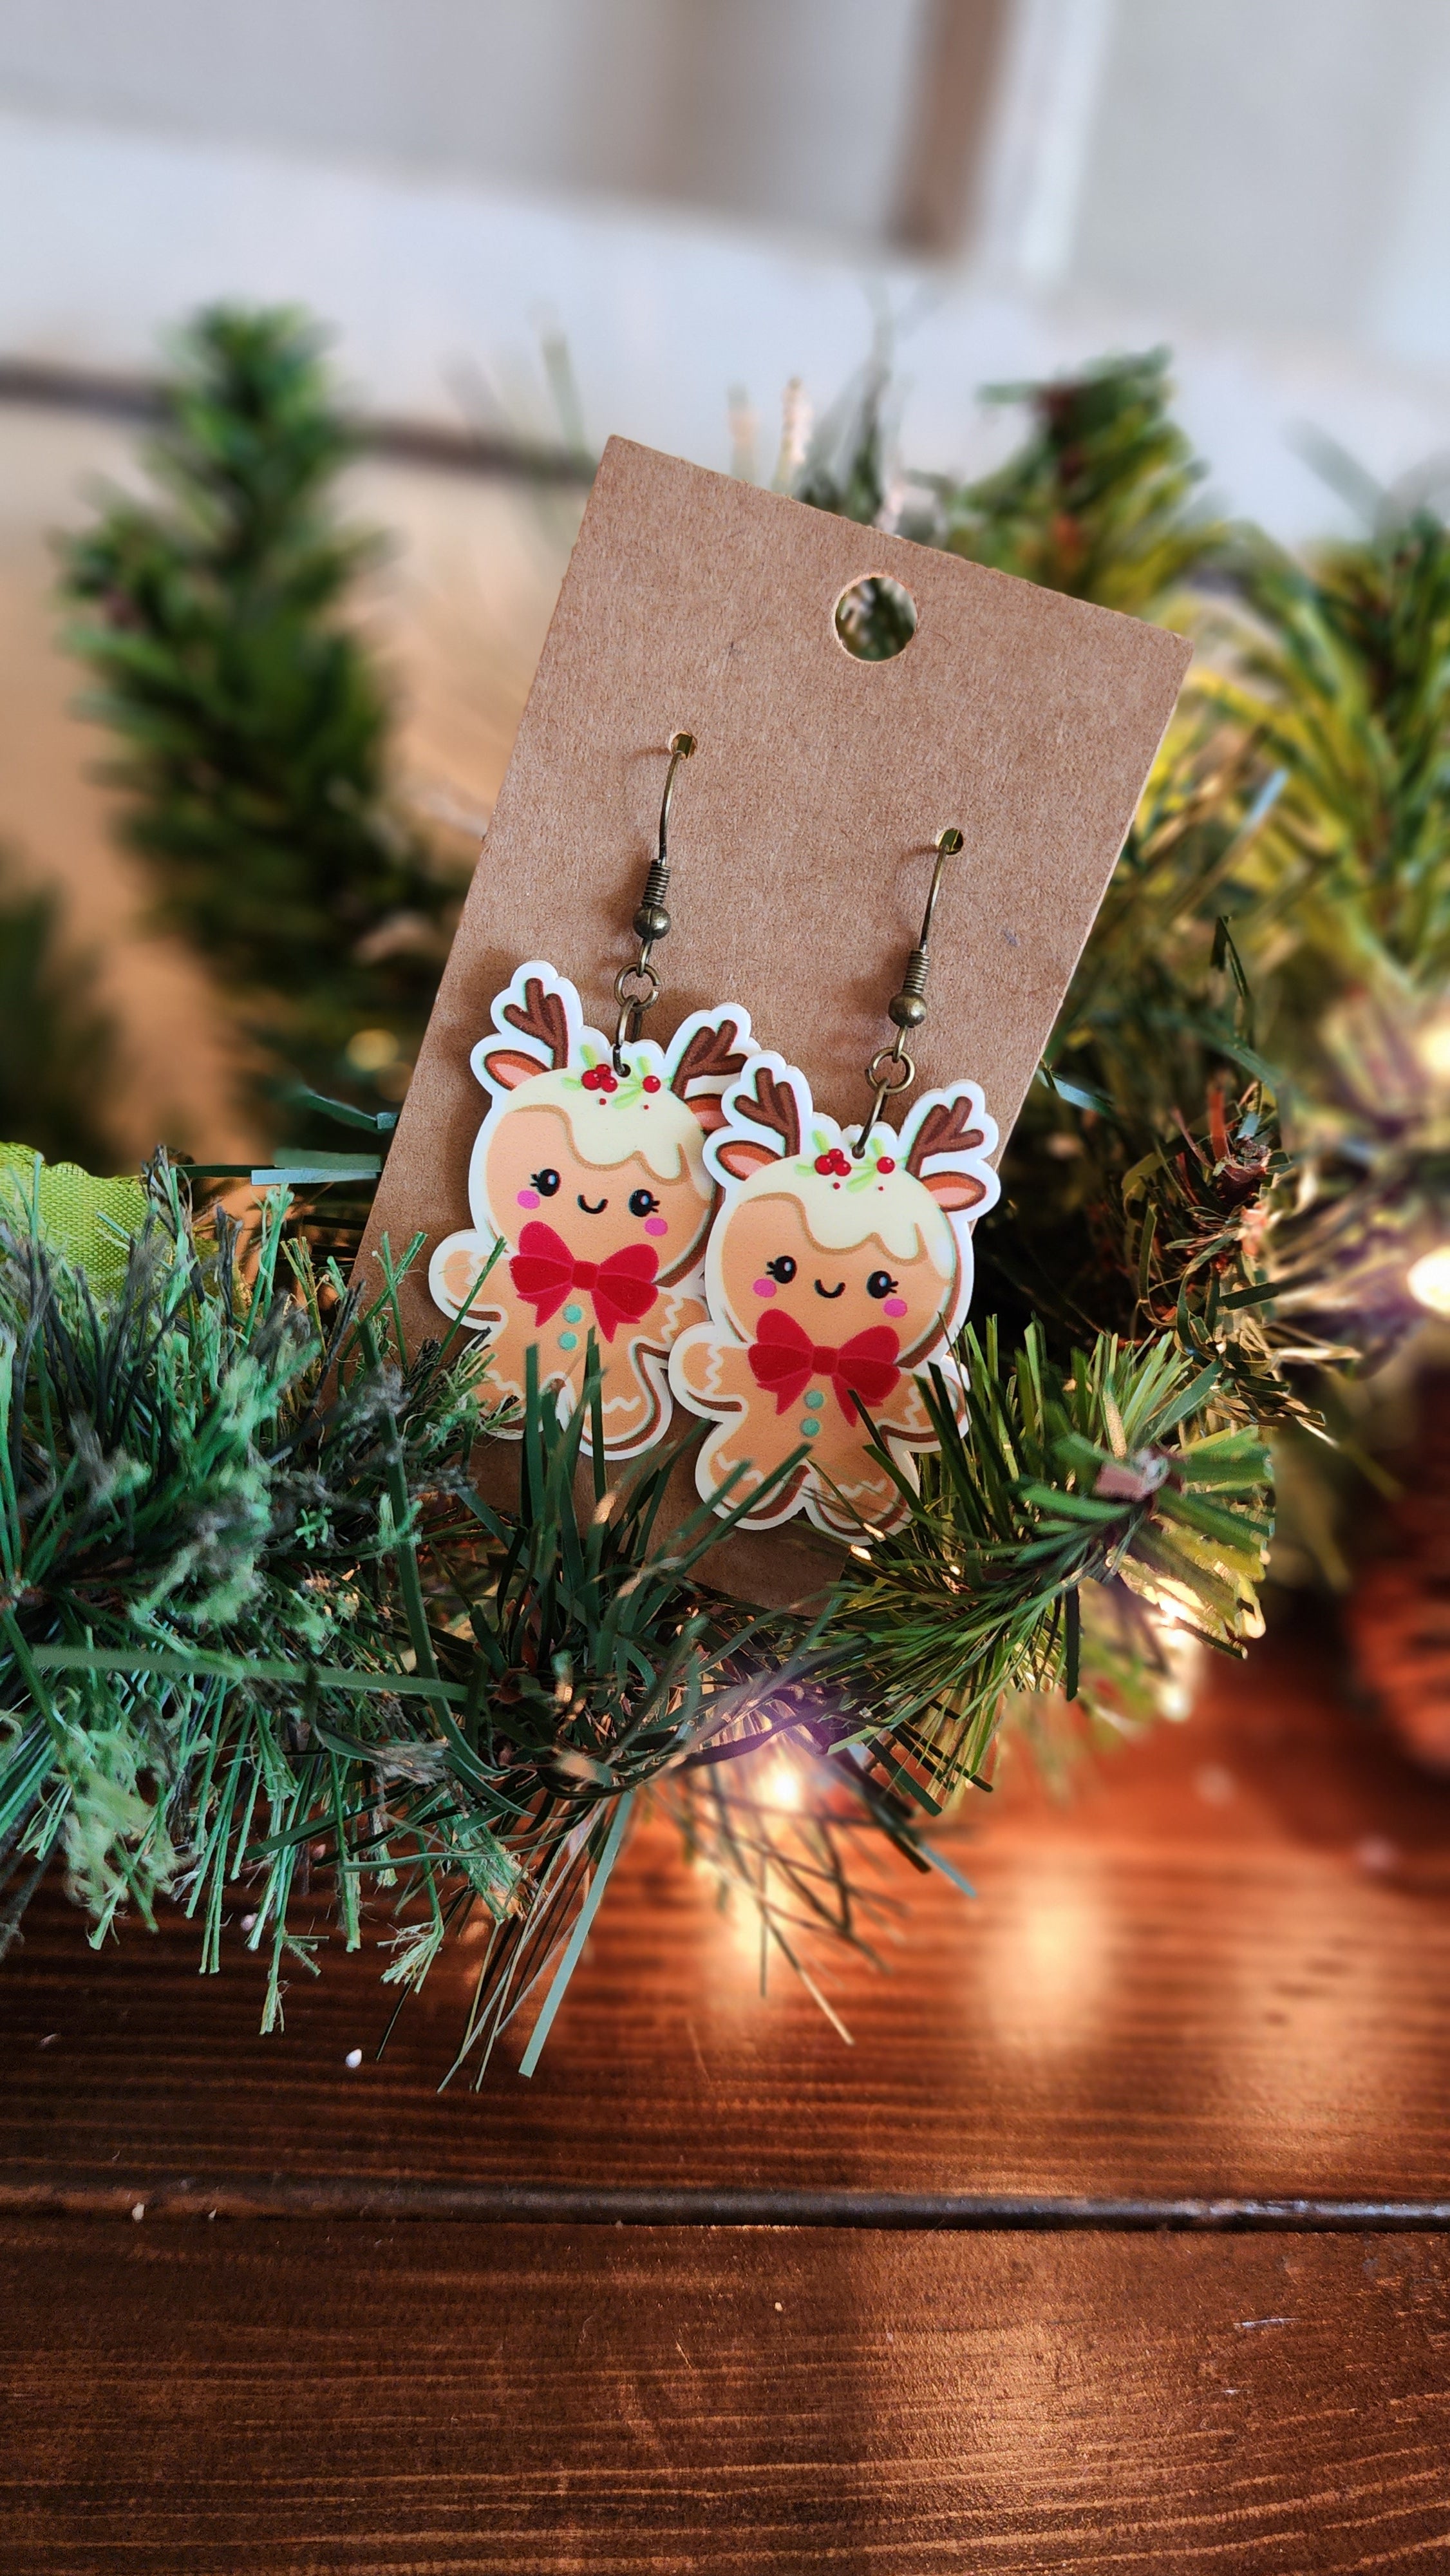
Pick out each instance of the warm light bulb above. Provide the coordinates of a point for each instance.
(1429, 1280)
(1177, 1686)
(368, 1050)
(783, 1785)
(1434, 1047)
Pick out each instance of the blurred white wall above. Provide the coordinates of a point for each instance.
(1263, 164)
(701, 194)
(784, 111)
(697, 196)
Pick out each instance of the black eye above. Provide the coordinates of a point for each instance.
(781, 1268)
(642, 1203)
(880, 1284)
(545, 1183)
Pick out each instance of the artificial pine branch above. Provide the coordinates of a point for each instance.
(251, 724)
(1100, 500)
(1345, 676)
(1048, 1481)
(1146, 1187)
(259, 1629)
(1341, 666)
(255, 1610)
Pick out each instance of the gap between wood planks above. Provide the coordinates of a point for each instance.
(107, 2195)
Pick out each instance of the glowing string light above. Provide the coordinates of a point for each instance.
(783, 1785)
(1429, 1280)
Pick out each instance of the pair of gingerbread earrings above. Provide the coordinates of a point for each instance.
(721, 1240)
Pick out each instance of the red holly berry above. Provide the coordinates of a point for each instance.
(590, 1079)
(825, 1163)
(886, 1164)
(652, 1082)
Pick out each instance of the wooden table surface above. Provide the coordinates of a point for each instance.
(1118, 2238)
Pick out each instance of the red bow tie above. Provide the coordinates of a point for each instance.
(544, 1270)
(784, 1359)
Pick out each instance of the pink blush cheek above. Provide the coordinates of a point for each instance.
(656, 1225)
(528, 1198)
(894, 1306)
(765, 1287)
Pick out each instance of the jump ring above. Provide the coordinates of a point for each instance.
(636, 988)
(879, 1071)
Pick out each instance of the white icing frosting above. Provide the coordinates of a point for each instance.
(608, 1127)
(893, 1207)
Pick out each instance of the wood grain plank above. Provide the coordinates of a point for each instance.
(264, 2400)
(1221, 1970)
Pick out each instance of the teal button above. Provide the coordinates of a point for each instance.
(568, 1341)
(573, 1315)
(810, 1426)
(814, 1400)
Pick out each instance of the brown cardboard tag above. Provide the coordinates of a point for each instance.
(803, 827)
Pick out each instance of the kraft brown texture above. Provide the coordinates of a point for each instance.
(802, 830)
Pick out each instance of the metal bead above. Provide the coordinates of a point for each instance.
(908, 1010)
(651, 921)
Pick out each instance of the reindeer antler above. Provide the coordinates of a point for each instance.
(773, 1106)
(946, 1129)
(542, 1015)
(712, 1055)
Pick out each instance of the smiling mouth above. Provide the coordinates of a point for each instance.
(582, 1202)
(838, 1291)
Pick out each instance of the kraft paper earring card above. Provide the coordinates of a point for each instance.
(818, 786)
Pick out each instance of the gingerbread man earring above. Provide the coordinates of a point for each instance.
(839, 1265)
(588, 1187)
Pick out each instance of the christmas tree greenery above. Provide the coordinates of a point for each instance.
(57, 1042)
(1247, 1095)
(1275, 934)
(250, 723)
(1346, 678)
(1099, 502)
(261, 1623)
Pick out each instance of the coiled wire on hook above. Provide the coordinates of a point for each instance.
(637, 987)
(891, 1069)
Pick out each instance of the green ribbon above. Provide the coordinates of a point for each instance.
(87, 1221)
